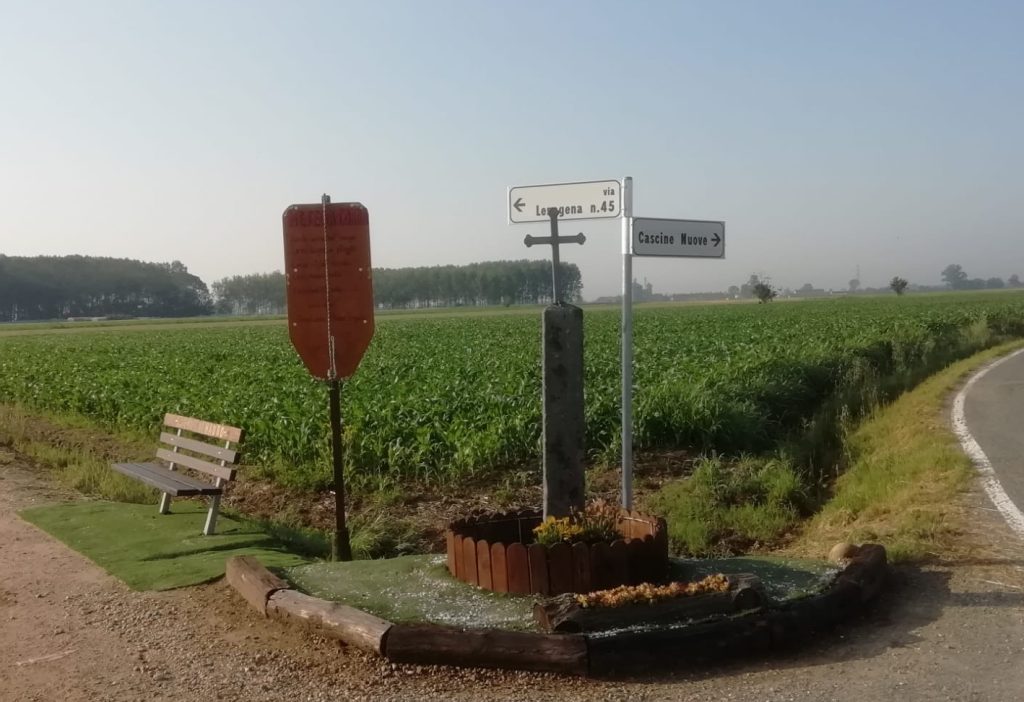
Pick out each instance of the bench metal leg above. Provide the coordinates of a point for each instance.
(211, 516)
(165, 498)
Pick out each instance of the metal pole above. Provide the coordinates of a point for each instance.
(556, 297)
(341, 549)
(627, 344)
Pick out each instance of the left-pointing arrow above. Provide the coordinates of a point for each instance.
(518, 204)
(716, 239)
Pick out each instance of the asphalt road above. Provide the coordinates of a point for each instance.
(994, 411)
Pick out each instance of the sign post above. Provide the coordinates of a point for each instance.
(641, 236)
(646, 236)
(626, 354)
(330, 311)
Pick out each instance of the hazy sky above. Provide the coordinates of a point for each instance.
(826, 134)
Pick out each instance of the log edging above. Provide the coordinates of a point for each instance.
(495, 551)
(252, 581)
(596, 654)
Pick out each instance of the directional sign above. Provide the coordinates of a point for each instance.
(686, 238)
(329, 286)
(596, 199)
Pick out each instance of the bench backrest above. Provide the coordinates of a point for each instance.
(190, 446)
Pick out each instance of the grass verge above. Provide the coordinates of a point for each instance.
(77, 455)
(901, 470)
(905, 472)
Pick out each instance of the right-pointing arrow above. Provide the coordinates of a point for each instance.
(716, 239)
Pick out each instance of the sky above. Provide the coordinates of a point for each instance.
(828, 136)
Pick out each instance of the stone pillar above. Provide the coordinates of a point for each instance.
(562, 355)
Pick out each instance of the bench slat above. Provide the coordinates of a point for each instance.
(199, 426)
(166, 480)
(181, 459)
(218, 452)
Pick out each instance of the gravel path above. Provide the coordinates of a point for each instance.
(68, 631)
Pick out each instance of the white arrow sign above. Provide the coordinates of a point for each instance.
(597, 199)
(688, 238)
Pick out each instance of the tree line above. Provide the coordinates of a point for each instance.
(489, 283)
(954, 278)
(957, 279)
(57, 287)
(61, 287)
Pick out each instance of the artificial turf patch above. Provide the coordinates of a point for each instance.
(150, 551)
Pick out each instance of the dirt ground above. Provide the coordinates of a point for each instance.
(68, 631)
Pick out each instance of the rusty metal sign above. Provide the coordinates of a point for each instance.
(329, 285)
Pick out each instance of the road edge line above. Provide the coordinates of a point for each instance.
(993, 488)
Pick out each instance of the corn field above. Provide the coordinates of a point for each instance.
(439, 397)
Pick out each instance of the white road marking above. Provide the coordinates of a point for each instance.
(989, 481)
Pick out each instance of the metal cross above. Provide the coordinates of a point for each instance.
(554, 240)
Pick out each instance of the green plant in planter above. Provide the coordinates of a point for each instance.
(596, 523)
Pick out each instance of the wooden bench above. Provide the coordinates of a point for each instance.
(189, 446)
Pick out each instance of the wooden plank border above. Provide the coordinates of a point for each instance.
(763, 629)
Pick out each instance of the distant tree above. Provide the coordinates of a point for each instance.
(747, 289)
(954, 276)
(254, 294)
(899, 285)
(1014, 281)
(806, 289)
(854, 285)
(734, 291)
(764, 292)
(52, 287)
(995, 283)
(485, 283)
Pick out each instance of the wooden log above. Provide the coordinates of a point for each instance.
(652, 568)
(560, 568)
(483, 565)
(867, 570)
(619, 563)
(581, 577)
(625, 651)
(564, 614)
(499, 568)
(252, 581)
(661, 538)
(519, 569)
(353, 626)
(431, 644)
(636, 555)
(449, 542)
(600, 566)
(538, 557)
(469, 560)
(460, 564)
